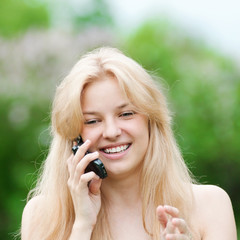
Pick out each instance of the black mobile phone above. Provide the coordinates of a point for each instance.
(95, 165)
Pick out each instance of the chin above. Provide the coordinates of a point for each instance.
(122, 172)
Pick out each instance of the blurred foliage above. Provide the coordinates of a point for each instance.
(98, 14)
(203, 88)
(23, 144)
(17, 16)
(39, 59)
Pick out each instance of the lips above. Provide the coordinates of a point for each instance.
(115, 149)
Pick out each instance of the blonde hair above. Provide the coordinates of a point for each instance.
(165, 178)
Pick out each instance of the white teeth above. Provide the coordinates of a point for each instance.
(116, 149)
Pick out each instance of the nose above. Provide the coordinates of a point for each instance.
(111, 129)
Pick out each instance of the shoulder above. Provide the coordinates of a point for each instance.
(33, 204)
(210, 199)
(29, 213)
(209, 193)
(213, 210)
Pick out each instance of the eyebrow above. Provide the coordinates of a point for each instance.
(95, 112)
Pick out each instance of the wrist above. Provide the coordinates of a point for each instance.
(82, 225)
(81, 229)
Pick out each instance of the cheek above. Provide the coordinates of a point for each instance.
(141, 131)
(143, 127)
(145, 137)
(89, 134)
(144, 133)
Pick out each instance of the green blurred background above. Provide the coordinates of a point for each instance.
(37, 50)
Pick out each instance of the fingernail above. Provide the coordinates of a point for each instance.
(95, 154)
(159, 207)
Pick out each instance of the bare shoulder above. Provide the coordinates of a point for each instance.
(33, 205)
(206, 193)
(214, 212)
(211, 199)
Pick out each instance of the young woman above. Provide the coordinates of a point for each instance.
(121, 115)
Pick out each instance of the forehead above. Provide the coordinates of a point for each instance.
(105, 92)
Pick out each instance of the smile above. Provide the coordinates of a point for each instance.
(116, 149)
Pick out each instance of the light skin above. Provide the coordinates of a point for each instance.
(111, 122)
(118, 134)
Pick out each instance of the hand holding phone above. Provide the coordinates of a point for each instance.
(95, 165)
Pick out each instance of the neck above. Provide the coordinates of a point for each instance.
(124, 191)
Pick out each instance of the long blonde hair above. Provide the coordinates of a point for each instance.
(165, 178)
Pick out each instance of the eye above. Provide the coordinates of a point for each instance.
(91, 121)
(127, 114)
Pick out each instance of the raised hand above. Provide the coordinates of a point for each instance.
(173, 227)
(84, 187)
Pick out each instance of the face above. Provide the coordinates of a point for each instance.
(117, 131)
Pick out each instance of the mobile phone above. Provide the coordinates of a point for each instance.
(95, 165)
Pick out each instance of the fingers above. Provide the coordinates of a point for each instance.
(180, 224)
(165, 212)
(176, 237)
(77, 164)
(95, 184)
(162, 216)
(74, 159)
(174, 212)
(80, 154)
(86, 178)
(82, 164)
(177, 231)
(173, 227)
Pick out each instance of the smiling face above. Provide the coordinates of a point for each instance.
(117, 131)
